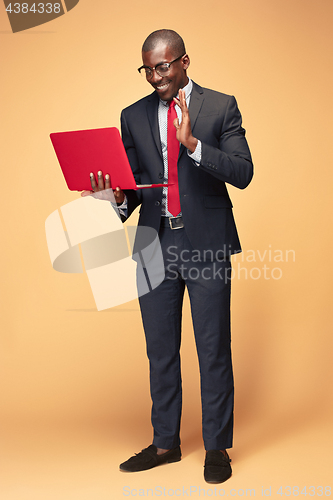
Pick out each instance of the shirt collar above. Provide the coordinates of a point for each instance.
(188, 90)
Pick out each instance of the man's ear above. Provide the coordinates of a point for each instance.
(185, 62)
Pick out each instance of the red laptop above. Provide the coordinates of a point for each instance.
(83, 151)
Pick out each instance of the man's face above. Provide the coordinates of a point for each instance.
(167, 86)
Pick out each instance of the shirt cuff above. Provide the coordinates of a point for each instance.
(196, 155)
(122, 209)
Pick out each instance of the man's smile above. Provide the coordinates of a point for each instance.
(162, 86)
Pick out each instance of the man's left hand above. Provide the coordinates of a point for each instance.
(184, 130)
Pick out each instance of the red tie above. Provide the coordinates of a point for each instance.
(173, 151)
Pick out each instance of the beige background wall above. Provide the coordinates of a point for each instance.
(74, 381)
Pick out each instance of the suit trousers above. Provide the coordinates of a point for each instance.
(208, 280)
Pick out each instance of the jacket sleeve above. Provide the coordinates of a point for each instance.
(231, 161)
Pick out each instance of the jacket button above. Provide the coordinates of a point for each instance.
(160, 175)
(157, 203)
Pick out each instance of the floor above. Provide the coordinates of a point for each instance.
(44, 461)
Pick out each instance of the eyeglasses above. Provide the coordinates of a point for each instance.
(162, 69)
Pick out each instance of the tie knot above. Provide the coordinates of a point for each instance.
(172, 104)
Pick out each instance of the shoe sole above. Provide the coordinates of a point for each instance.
(219, 482)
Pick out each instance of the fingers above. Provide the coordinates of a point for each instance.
(100, 180)
(102, 186)
(181, 100)
(92, 181)
(99, 186)
(182, 96)
(119, 195)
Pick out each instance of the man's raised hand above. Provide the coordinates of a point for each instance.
(184, 130)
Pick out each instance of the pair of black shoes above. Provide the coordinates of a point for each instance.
(217, 465)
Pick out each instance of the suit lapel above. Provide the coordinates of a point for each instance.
(196, 101)
(152, 112)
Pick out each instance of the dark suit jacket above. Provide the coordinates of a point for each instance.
(226, 158)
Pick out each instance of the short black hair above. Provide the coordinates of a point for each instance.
(169, 37)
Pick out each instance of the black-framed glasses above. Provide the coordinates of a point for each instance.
(162, 69)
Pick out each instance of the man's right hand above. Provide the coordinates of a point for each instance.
(103, 185)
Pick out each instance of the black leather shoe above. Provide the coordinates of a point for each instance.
(217, 467)
(148, 458)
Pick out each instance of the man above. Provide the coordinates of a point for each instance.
(196, 146)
